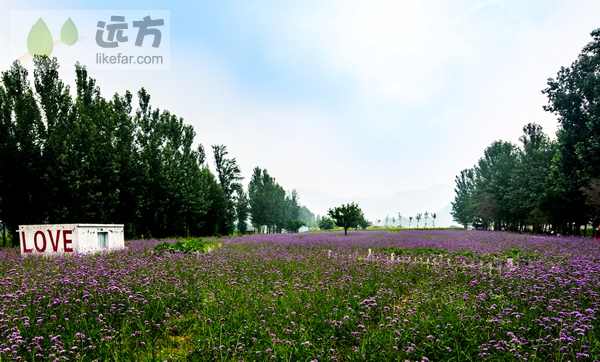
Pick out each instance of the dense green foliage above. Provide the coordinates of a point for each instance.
(91, 159)
(273, 208)
(84, 158)
(543, 184)
(348, 216)
(228, 172)
(326, 223)
(242, 209)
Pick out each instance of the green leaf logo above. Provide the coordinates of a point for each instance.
(68, 33)
(39, 40)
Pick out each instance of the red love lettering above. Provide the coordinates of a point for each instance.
(24, 243)
(54, 242)
(67, 241)
(35, 241)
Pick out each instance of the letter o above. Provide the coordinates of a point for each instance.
(35, 241)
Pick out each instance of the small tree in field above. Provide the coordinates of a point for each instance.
(346, 216)
(363, 223)
(433, 217)
(325, 223)
(410, 218)
(418, 217)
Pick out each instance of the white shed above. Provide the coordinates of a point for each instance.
(70, 238)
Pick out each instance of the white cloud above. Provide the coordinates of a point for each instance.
(295, 143)
(490, 58)
(505, 90)
(396, 50)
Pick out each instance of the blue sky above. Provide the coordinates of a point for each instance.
(380, 102)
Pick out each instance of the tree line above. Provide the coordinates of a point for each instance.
(78, 157)
(272, 208)
(425, 216)
(397, 222)
(543, 184)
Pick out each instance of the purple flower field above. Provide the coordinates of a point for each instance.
(452, 240)
(444, 295)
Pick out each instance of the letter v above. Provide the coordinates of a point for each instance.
(52, 241)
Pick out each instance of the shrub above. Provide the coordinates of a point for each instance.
(188, 246)
(326, 223)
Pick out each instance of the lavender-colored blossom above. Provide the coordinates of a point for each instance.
(315, 293)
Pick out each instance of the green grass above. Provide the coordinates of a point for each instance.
(415, 251)
(293, 302)
(189, 245)
(301, 310)
(516, 254)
